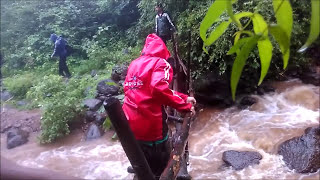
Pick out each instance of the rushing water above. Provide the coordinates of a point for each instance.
(275, 118)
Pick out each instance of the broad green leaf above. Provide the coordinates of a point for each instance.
(238, 45)
(265, 53)
(240, 62)
(259, 25)
(315, 25)
(214, 12)
(218, 31)
(283, 12)
(281, 37)
(264, 46)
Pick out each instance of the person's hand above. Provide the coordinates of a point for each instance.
(191, 100)
(193, 111)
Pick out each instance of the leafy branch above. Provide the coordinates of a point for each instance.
(260, 35)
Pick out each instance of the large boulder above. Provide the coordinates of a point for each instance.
(93, 132)
(302, 153)
(241, 159)
(92, 104)
(311, 76)
(16, 137)
(119, 72)
(107, 88)
(213, 89)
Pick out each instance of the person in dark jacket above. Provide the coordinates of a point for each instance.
(61, 51)
(164, 25)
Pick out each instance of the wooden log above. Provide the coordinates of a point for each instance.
(128, 141)
(180, 139)
(174, 118)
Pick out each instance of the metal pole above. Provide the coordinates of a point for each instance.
(128, 141)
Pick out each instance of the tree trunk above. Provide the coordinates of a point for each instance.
(127, 139)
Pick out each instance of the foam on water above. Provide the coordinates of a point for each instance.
(273, 119)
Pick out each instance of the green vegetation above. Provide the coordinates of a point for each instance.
(259, 36)
(103, 33)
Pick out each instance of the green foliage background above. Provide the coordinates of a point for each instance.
(107, 32)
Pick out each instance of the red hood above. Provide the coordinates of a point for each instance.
(155, 47)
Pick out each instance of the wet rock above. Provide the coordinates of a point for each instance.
(87, 91)
(93, 132)
(93, 73)
(16, 137)
(247, 101)
(302, 153)
(125, 51)
(90, 116)
(107, 88)
(99, 118)
(310, 76)
(22, 103)
(265, 89)
(241, 159)
(214, 90)
(119, 72)
(5, 95)
(92, 104)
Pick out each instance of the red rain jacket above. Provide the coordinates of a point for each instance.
(146, 89)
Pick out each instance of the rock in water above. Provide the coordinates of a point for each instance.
(240, 160)
(92, 104)
(302, 153)
(93, 132)
(247, 101)
(16, 137)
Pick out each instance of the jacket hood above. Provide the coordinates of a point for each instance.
(53, 37)
(155, 47)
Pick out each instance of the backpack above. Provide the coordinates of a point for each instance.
(69, 50)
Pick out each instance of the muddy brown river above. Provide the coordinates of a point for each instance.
(275, 118)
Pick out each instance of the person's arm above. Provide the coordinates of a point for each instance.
(161, 91)
(55, 49)
(156, 24)
(172, 25)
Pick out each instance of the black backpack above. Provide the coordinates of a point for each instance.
(69, 50)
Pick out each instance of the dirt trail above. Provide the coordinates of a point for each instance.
(28, 120)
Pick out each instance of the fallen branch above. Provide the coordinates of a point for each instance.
(180, 140)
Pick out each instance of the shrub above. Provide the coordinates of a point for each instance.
(61, 102)
(19, 85)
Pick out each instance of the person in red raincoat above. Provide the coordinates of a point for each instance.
(147, 91)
